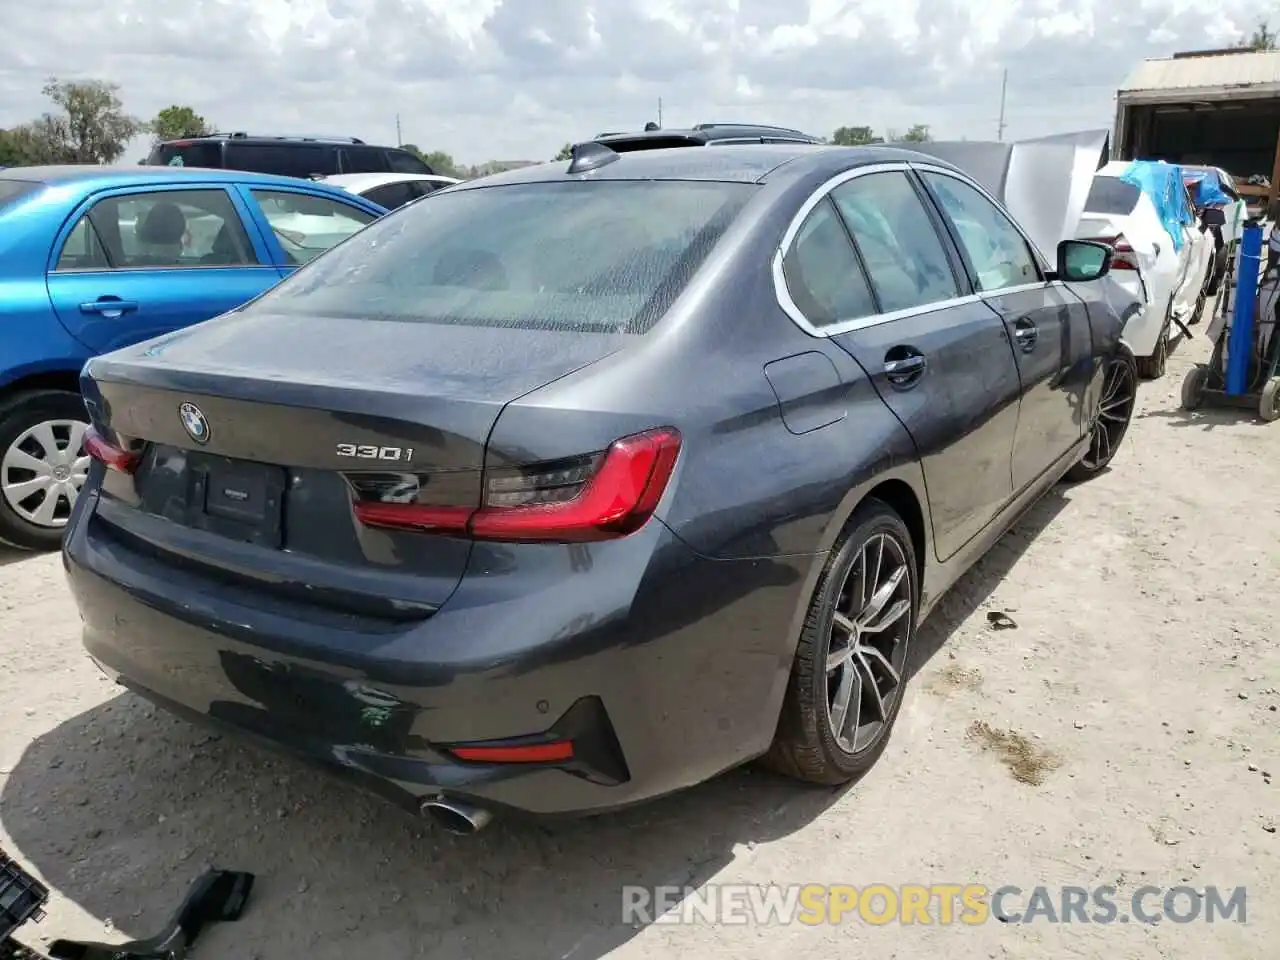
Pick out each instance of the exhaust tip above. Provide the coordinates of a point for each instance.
(457, 818)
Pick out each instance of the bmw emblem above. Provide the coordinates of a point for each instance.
(194, 423)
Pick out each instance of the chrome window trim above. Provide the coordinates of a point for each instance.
(796, 315)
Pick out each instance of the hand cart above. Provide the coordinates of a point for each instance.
(1242, 371)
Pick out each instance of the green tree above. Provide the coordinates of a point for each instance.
(439, 161)
(92, 126)
(19, 147)
(442, 163)
(919, 133)
(1262, 39)
(177, 121)
(854, 137)
(566, 152)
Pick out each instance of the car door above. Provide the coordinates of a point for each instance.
(134, 263)
(301, 224)
(1047, 325)
(939, 359)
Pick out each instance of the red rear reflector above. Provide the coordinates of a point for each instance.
(108, 453)
(554, 752)
(592, 498)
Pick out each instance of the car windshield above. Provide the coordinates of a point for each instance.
(1111, 195)
(582, 256)
(11, 190)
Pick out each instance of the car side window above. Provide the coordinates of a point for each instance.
(822, 272)
(402, 161)
(898, 241)
(164, 229)
(307, 225)
(83, 249)
(996, 251)
(392, 195)
(364, 160)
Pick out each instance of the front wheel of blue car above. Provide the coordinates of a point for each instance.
(850, 668)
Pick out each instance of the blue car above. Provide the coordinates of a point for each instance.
(97, 258)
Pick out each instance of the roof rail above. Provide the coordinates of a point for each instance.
(751, 126)
(306, 137)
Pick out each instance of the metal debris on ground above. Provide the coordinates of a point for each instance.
(217, 897)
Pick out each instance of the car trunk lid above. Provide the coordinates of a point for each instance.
(257, 433)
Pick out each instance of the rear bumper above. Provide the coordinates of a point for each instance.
(665, 679)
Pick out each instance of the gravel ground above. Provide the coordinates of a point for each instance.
(1119, 733)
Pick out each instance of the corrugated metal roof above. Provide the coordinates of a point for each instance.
(1220, 70)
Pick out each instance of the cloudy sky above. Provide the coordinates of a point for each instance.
(488, 79)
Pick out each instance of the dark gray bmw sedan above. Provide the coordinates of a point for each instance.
(574, 486)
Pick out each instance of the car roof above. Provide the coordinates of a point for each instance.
(92, 177)
(95, 176)
(742, 163)
(359, 182)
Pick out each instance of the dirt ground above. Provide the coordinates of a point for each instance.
(1120, 733)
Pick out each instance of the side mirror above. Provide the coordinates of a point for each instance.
(1083, 260)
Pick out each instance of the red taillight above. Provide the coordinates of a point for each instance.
(1122, 253)
(596, 497)
(554, 751)
(102, 450)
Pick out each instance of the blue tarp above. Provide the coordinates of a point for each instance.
(1207, 188)
(1164, 184)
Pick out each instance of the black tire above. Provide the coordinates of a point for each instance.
(1154, 366)
(1193, 385)
(1269, 401)
(18, 414)
(1113, 416)
(805, 745)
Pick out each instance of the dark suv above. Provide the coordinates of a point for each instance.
(702, 135)
(286, 156)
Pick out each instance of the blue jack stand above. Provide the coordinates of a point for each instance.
(1237, 375)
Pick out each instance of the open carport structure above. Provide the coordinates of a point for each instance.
(1213, 107)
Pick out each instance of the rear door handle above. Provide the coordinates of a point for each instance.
(109, 306)
(904, 367)
(1026, 333)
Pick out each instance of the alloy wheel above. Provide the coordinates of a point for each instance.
(867, 647)
(1119, 393)
(43, 470)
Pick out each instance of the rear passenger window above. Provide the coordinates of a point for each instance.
(899, 244)
(822, 272)
(164, 229)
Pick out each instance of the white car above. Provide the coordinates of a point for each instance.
(391, 190)
(1170, 282)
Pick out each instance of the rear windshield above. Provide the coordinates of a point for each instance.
(201, 153)
(1111, 195)
(601, 256)
(11, 190)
